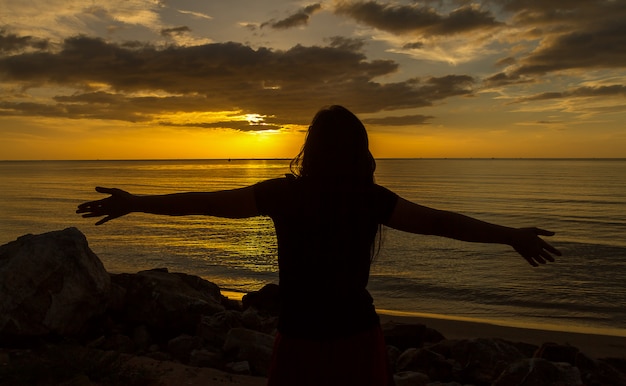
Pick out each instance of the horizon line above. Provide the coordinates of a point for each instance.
(289, 159)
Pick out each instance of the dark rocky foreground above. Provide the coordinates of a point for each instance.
(65, 320)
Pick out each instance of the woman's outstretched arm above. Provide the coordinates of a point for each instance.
(236, 203)
(414, 218)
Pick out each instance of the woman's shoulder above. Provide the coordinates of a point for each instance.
(290, 181)
(278, 180)
(274, 186)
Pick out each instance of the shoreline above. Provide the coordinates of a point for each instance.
(589, 341)
(607, 331)
(594, 345)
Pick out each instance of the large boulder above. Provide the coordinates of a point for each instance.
(168, 304)
(50, 283)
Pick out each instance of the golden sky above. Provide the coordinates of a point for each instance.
(137, 79)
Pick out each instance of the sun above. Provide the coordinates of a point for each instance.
(255, 118)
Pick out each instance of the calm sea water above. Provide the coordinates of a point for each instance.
(584, 201)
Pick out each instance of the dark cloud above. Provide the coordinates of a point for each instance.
(413, 45)
(405, 120)
(508, 61)
(147, 105)
(503, 79)
(602, 47)
(350, 44)
(549, 122)
(579, 92)
(177, 31)
(571, 35)
(552, 7)
(450, 82)
(387, 17)
(71, 111)
(467, 18)
(11, 42)
(233, 125)
(409, 19)
(298, 19)
(285, 84)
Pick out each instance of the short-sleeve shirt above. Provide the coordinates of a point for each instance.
(325, 236)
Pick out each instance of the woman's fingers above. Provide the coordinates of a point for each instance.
(547, 256)
(101, 207)
(543, 232)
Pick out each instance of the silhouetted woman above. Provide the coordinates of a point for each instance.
(327, 215)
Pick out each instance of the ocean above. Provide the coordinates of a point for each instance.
(582, 200)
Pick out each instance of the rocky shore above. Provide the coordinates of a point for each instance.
(64, 320)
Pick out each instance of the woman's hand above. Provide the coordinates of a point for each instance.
(534, 249)
(117, 205)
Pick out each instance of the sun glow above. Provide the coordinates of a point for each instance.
(197, 118)
(255, 118)
(213, 119)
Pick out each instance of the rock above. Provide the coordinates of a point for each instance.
(50, 283)
(251, 319)
(141, 337)
(554, 352)
(4, 359)
(393, 353)
(618, 363)
(410, 378)
(205, 358)
(601, 372)
(482, 360)
(214, 328)
(528, 350)
(267, 299)
(539, 372)
(242, 367)
(254, 319)
(120, 343)
(231, 304)
(168, 304)
(181, 347)
(251, 346)
(404, 336)
(592, 372)
(159, 356)
(422, 360)
(117, 299)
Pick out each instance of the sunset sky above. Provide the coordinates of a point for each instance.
(146, 79)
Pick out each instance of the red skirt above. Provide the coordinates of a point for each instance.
(360, 359)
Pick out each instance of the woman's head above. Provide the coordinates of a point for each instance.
(336, 147)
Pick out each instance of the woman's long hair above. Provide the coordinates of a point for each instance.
(336, 149)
